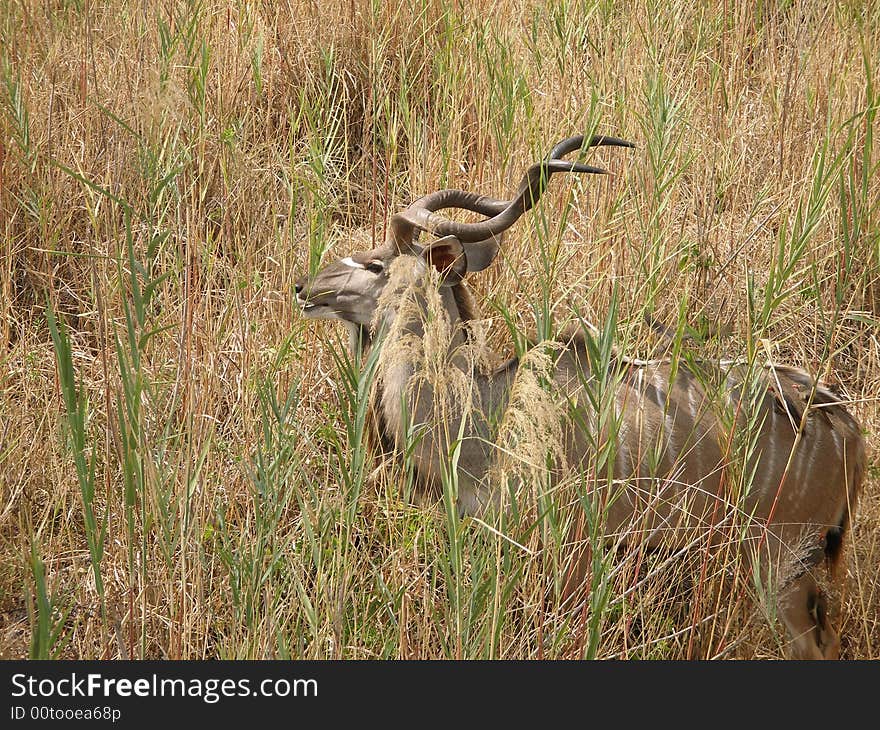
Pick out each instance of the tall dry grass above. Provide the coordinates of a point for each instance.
(182, 468)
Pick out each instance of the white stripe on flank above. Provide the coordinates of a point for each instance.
(350, 262)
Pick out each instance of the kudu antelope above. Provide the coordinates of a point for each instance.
(670, 469)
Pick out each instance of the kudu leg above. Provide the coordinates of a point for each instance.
(804, 611)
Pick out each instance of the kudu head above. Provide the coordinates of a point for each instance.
(349, 289)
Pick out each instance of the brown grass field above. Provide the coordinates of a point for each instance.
(180, 473)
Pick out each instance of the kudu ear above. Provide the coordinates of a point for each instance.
(448, 256)
(401, 236)
(480, 254)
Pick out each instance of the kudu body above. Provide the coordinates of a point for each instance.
(679, 427)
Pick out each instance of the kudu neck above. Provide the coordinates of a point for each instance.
(360, 339)
(407, 297)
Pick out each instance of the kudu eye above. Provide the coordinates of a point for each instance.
(376, 266)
